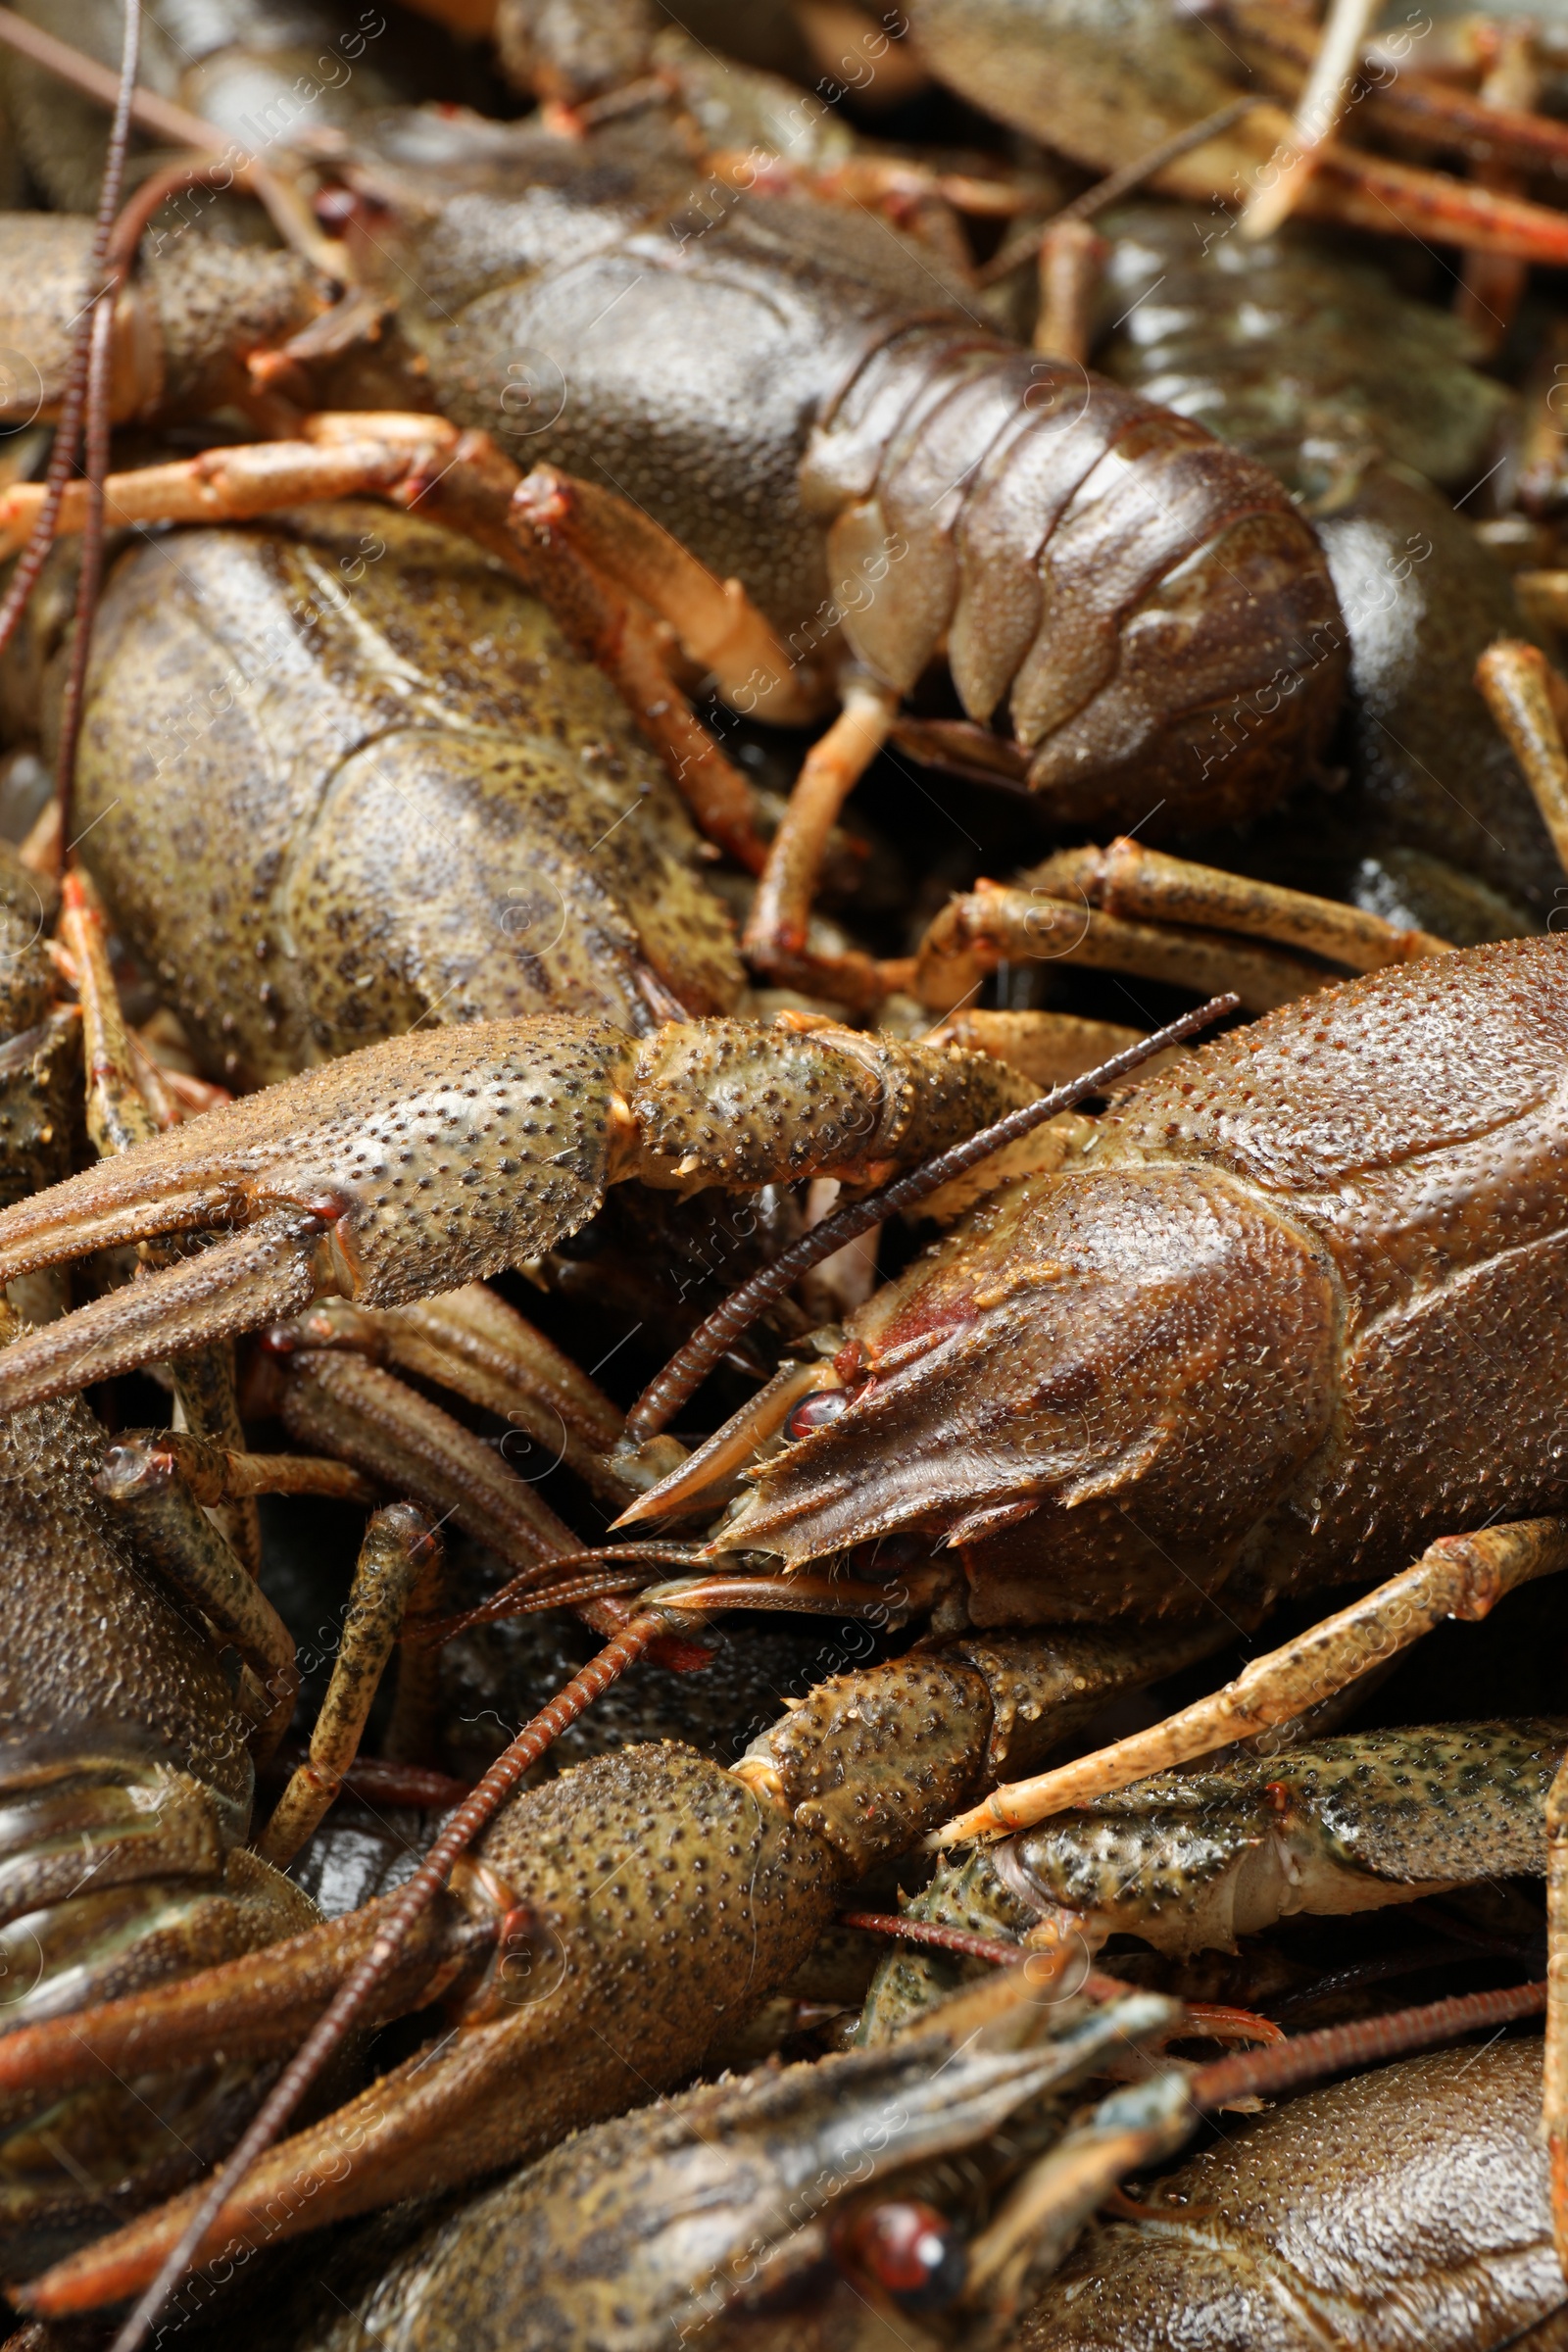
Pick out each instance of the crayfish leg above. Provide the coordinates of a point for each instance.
(1150, 885)
(488, 1352)
(1529, 700)
(399, 1568)
(610, 629)
(720, 629)
(120, 1113)
(1458, 1576)
(778, 933)
(1132, 910)
(145, 1484)
(473, 1343)
(1006, 923)
(1070, 264)
(336, 1404)
(1555, 2095)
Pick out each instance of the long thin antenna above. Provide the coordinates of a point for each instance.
(1116, 185)
(165, 121)
(95, 437)
(1364, 2041)
(124, 239)
(89, 577)
(690, 1364)
(326, 2036)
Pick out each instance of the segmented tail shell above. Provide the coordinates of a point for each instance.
(1145, 603)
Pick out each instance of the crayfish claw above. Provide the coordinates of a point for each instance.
(439, 1157)
(267, 1269)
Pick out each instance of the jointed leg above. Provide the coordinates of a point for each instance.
(336, 1404)
(1051, 1048)
(718, 627)
(474, 1343)
(1072, 255)
(1459, 1575)
(1319, 110)
(216, 1474)
(616, 635)
(996, 923)
(157, 1475)
(398, 1566)
(118, 1116)
(145, 1486)
(776, 936)
(1530, 702)
(1492, 284)
(476, 1328)
(1149, 886)
(1133, 909)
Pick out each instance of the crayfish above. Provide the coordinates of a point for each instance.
(878, 479)
(1253, 1251)
(515, 449)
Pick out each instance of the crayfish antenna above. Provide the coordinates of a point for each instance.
(1554, 2098)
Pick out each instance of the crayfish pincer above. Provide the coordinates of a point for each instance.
(650, 1899)
(437, 1158)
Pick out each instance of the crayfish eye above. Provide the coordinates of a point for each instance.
(814, 1411)
(909, 2250)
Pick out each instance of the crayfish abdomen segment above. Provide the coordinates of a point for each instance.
(880, 472)
(1158, 615)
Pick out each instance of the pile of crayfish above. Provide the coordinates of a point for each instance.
(783, 1176)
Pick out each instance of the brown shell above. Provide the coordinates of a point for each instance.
(1297, 1311)
(342, 775)
(1403, 2211)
